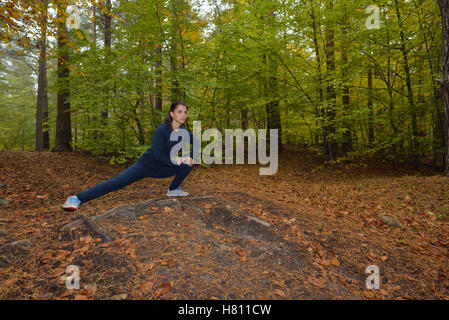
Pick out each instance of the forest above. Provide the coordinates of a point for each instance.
(357, 208)
(342, 78)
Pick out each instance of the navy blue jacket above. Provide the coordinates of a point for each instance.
(159, 152)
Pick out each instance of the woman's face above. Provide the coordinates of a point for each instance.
(180, 114)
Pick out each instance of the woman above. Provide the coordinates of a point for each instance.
(154, 163)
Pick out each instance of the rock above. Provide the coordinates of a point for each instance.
(23, 242)
(4, 202)
(122, 296)
(4, 262)
(28, 214)
(391, 221)
(224, 247)
(2, 185)
(45, 296)
(171, 239)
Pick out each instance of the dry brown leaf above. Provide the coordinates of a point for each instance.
(163, 291)
(91, 291)
(58, 272)
(369, 294)
(323, 262)
(241, 252)
(66, 293)
(335, 262)
(279, 292)
(147, 286)
(168, 210)
(149, 266)
(409, 277)
(383, 292)
(320, 283)
(123, 229)
(171, 263)
(83, 250)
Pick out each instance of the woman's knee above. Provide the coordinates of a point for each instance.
(185, 167)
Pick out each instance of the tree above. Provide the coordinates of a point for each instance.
(444, 81)
(42, 135)
(63, 137)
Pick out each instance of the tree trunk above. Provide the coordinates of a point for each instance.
(272, 107)
(370, 109)
(347, 136)
(444, 81)
(317, 34)
(42, 82)
(63, 120)
(158, 77)
(107, 46)
(175, 89)
(94, 25)
(330, 147)
(414, 143)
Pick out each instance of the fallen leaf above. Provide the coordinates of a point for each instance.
(83, 250)
(369, 294)
(149, 266)
(163, 290)
(171, 263)
(123, 229)
(147, 285)
(279, 292)
(241, 252)
(320, 283)
(91, 291)
(66, 293)
(168, 210)
(335, 262)
(409, 277)
(324, 262)
(58, 272)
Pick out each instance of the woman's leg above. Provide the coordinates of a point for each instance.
(180, 173)
(132, 174)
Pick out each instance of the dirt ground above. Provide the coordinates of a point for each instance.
(308, 232)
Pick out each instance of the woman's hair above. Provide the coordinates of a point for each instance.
(169, 118)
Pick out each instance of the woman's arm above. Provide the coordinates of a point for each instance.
(159, 148)
(193, 140)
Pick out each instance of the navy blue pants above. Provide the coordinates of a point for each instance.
(135, 172)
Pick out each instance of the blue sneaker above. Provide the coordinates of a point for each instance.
(176, 193)
(72, 203)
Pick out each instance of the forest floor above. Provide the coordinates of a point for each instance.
(308, 232)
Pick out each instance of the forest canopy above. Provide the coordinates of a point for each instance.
(343, 78)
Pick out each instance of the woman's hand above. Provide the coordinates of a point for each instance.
(187, 160)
